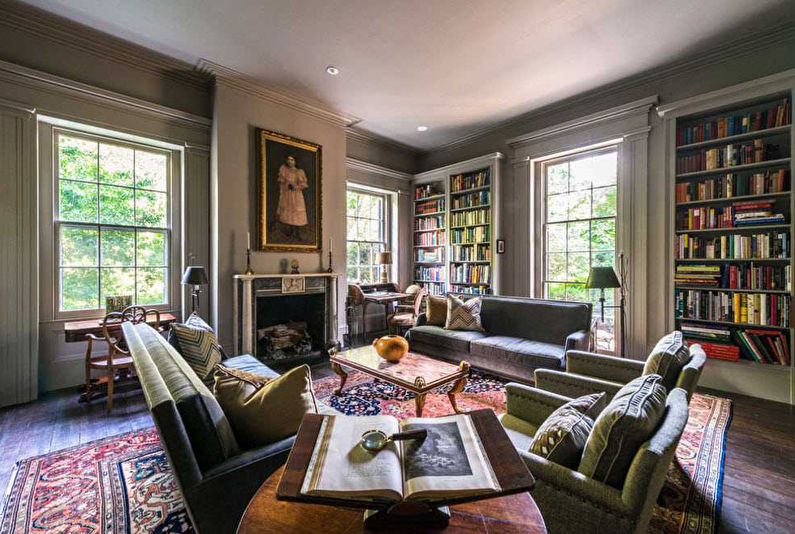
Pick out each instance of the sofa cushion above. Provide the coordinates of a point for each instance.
(518, 352)
(456, 340)
(562, 436)
(247, 362)
(547, 321)
(435, 310)
(629, 420)
(667, 359)
(463, 315)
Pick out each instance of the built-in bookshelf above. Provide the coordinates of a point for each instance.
(455, 227)
(731, 169)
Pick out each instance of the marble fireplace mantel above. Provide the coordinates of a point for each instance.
(248, 287)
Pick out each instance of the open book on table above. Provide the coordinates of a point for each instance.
(449, 463)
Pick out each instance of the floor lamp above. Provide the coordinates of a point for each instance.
(605, 278)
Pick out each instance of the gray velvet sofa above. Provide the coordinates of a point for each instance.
(521, 335)
(217, 478)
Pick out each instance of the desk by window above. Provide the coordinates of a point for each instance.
(75, 331)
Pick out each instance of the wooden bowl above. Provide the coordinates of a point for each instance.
(391, 348)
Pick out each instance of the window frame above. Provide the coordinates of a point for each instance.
(386, 225)
(172, 228)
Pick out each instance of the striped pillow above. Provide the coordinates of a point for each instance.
(463, 315)
(199, 348)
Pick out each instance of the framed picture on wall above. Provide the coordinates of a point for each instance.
(289, 193)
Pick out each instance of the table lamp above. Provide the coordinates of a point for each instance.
(605, 278)
(384, 259)
(195, 276)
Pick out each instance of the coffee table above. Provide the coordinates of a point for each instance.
(415, 372)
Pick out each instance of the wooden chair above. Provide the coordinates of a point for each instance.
(352, 303)
(407, 304)
(401, 320)
(118, 357)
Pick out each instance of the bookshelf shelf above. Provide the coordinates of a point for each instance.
(735, 168)
(729, 200)
(748, 228)
(432, 197)
(731, 323)
(470, 190)
(722, 260)
(727, 290)
(767, 132)
(429, 214)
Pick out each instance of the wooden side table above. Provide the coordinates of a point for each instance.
(512, 514)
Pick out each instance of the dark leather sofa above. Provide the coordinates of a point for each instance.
(521, 335)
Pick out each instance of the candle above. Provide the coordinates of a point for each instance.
(330, 245)
(248, 240)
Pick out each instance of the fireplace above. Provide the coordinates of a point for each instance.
(285, 319)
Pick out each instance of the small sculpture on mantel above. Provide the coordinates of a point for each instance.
(249, 270)
(294, 267)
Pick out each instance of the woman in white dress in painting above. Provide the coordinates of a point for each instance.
(292, 206)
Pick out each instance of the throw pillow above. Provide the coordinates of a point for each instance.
(199, 348)
(193, 320)
(562, 436)
(436, 310)
(667, 359)
(463, 315)
(264, 414)
(629, 420)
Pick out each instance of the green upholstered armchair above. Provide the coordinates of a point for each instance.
(587, 372)
(572, 502)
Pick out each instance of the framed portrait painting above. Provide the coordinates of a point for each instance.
(289, 193)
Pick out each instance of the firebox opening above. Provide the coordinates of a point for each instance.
(290, 328)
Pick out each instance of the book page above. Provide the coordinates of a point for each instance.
(449, 462)
(341, 468)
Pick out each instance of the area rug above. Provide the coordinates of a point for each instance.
(123, 484)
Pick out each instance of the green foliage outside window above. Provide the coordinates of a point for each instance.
(366, 235)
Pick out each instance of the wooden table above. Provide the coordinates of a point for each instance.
(415, 372)
(76, 331)
(384, 298)
(512, 514)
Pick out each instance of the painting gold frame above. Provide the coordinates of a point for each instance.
(264, 215)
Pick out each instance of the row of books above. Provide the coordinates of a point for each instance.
(720, 127)
(738, 214)
(756, 345)
(748, 276)
(469, 200)
(463, 218)
(480, 252)
(426, 190)
(750, 308)
(429, 255)
(731, 155)
(433, 288)
(429, 223)
(470, 180)
(470, 290)
(429, 238)
(429, 206)
(476, 234)
(769, 245)
(470, 274)
(429, 273)
(734, 185)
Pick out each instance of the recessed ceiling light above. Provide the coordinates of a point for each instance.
(422, 128)
(331, 69)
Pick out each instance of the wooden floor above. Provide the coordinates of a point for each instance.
(758, 484)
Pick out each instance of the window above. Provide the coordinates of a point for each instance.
(112, 222)
(580, 193)
(367, 215)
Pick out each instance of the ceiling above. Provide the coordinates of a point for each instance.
(452, 65)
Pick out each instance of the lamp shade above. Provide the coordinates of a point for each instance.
(195, 276)
(384, 258)
(602, 278)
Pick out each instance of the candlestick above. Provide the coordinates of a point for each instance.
(330, 245)
(329, 270)
(248, 240)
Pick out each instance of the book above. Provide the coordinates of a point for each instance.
(449, 463)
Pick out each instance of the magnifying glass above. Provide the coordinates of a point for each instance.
(375, 440)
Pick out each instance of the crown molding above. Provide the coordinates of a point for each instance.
(64, 32)
(243, 82)
(366, 136)
(636, 107)
(773, 35)
(359, 165)
(20, 75)
(480, 160)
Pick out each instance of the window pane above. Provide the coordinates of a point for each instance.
(151, 286)
(557, 208)
(364, 206)
(579, 237)
(353, 202)
(604, 259)
(605, 167)
(603, 234)
(578, 267)
(150, 209)
(77, 158)
(351, 228)
(556, 237)
(115, 164)
(556, 291)
(79, 247)
(581, 173)
(117, 281)
(375, 231)
(556, 268)
(79, 289)
(116, 205)
(351, 271)
(152, 249)
(557, 178)
(118, 248)
(576, 292)
(77, 202)
(604, 202)
(366, 276)
(580, 205)
(352, 252)
(151, 170)
(376, 208)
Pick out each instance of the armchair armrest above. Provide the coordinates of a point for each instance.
(572, 385)
(579, 340)
(601, 366)
(531, 404)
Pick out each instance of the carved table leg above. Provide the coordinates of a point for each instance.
(458, 387)
(343, 377)
(419, 402)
